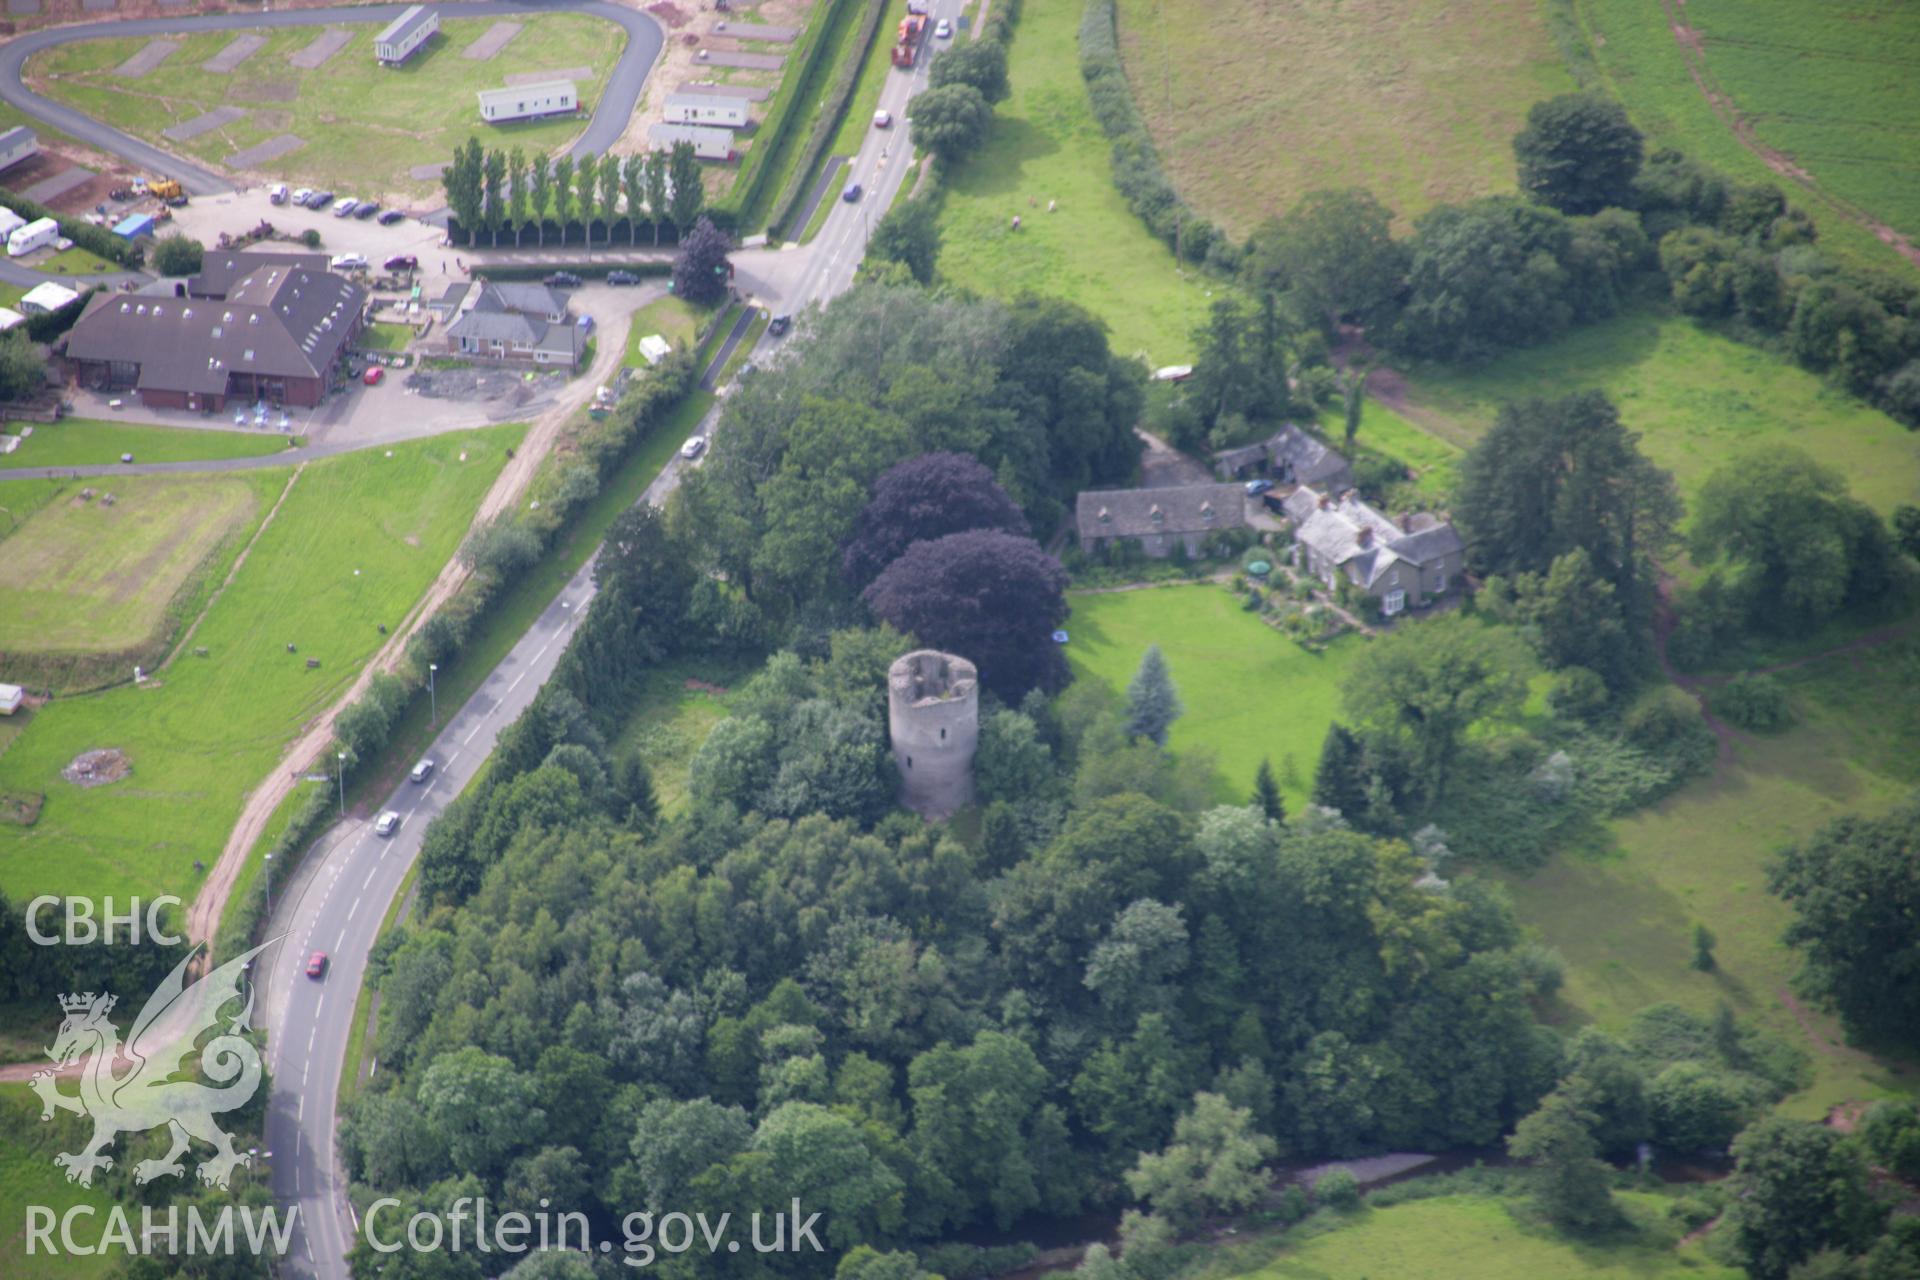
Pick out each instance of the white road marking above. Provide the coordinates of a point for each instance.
(355, 907)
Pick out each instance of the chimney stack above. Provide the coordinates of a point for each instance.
(1366, 535)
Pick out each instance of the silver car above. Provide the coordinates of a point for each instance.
(422, 771)
(388, 823)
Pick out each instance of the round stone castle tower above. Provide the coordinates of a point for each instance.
(933, 717)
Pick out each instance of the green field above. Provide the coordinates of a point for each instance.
(1832, 86)
(1250, 104)
(354, 544)
(80, 442)
(85, 577)
(74, 262)
(669, 720)
(1478, 1238)
(364, 125)
(28, 1176)
(1046, 145)
(1249, 691)
(1623, 914)
(1695, 397)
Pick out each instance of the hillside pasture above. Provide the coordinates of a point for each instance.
(1250, 693)
(1251, 104)
(355, 542)
(1696, 398)
(1622, 912)
(364, 125)
(1045, 147)
(1819, 94)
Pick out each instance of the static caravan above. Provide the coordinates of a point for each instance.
(528, 101)
(707, 109)
(708, 144)
(33, 235)
(11, 696)
(10, 319)
(46, 296)
(16, 144)
(405, 34)
(9, 222)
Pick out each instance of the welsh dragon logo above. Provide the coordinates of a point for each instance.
(145, 1094)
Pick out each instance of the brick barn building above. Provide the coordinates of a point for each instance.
(250, 327)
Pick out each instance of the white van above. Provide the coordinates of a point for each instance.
(34, 235)
(277, 193)
(347, 262)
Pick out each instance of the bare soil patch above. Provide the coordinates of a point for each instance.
(155, 53)
(492, 41)
(98, 767)
(317, 53)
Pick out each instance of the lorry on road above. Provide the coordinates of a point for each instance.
(907, 48)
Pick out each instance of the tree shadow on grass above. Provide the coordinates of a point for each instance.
(1000, 168)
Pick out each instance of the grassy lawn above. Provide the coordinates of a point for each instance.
(669, 721)
(866, 92)
(21, 498)
(1225, 662)
(28, 1176)
(1477, 1238)
(1251, 104)
(76, 262)
(1695, 398)
(1623, 914)
(383, 336)
(81, 576)
(355, 543)
(79, 442)
(1831, 85)
(364, 125)
(1045, 145)
(673, 318)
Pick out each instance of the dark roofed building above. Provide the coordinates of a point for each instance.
(264, 328)
(1288, 456)
(1158, 519)
(518, 323)
(220, 272)
(1404, 563)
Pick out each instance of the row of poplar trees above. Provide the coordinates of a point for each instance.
(494, 191)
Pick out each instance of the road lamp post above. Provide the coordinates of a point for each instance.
(433, 699)
(269, 874)
(340, 772)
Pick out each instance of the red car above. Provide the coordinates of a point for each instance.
(374, 375)
(317, 965)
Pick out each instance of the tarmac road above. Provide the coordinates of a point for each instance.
(610, 115)
(339, 897)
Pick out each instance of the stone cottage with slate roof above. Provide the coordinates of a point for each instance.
(250, 327)
(1405, 564)
(1288, 456)
(518, 324)
(1158, 519)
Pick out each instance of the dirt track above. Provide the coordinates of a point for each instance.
(211, 902)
